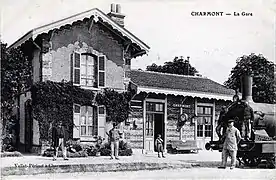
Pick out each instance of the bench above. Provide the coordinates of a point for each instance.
(176, 146)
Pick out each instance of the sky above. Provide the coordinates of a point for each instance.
(213, 43)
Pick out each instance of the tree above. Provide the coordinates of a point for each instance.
(15, 75)
(116, 104)
(177, 66)
(262, 71)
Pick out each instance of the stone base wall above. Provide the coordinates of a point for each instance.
(134, 131)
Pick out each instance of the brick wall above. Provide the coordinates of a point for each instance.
(135, 135)
(173, 116)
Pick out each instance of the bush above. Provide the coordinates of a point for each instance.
(126, 152)
(74, 146)
(8, 143)
(124, 149)
(89, 149)
(50, 153)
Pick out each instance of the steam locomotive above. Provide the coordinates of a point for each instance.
(261, 147)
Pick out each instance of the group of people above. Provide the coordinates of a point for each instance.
(58, 140)
(231, 135)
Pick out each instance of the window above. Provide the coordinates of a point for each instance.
(84, 120)
(155, 107)
(86, 71)
(204, 121)
(149, 124)
(101, 110)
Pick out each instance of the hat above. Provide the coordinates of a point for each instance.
(231, 120)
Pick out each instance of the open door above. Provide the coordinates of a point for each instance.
(159, 127)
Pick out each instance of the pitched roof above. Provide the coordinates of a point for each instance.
(96, 13)
(179, 85)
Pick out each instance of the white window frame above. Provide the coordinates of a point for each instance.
(205, 105)
(86, 55)
(86, 125)
(98, 70)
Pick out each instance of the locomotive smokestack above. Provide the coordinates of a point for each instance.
(246, 87)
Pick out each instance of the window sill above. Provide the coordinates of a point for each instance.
(89, 87)
(87, 139)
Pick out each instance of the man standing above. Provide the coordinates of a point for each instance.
(248, 120)
(230, 146)
(58, 133)
(221, 124)
(114, 135)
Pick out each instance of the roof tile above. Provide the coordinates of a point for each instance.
(178, 82)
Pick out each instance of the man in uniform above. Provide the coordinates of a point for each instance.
(221, 125)
(58, 133)
(230, 145)
(114, 135)
(247, 121)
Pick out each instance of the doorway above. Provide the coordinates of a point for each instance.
(159, 127)
(154, 124)
(204, 125)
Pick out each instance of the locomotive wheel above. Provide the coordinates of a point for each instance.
(251, 162)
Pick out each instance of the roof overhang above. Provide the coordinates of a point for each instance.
(98, 14)
(185, 93)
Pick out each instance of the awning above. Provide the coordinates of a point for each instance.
(184, 93)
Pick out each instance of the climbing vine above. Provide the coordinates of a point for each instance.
(53, 102)
(116, 104)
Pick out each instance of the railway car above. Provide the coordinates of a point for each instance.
(261, 146)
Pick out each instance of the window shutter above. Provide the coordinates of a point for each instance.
(71, 67)
(102, 71)
(101, 121)
(95, 121)
(77, 58)
(96, 72)
(76, 129)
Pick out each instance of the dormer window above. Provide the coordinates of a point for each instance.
(88, 70)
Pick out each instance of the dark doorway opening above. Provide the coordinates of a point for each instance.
(28, 127)
(159, 127)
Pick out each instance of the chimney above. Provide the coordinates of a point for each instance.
(246, 87)
(116, 15)
(187, 62)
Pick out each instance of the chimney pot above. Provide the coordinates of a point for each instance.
(115, 14)
(118, 8)
(113, 8)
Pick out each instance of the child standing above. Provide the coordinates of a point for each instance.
(159, 145)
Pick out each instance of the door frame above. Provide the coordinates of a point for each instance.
(164, 101)
(212, 105)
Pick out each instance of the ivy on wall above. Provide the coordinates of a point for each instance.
(53, 102)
